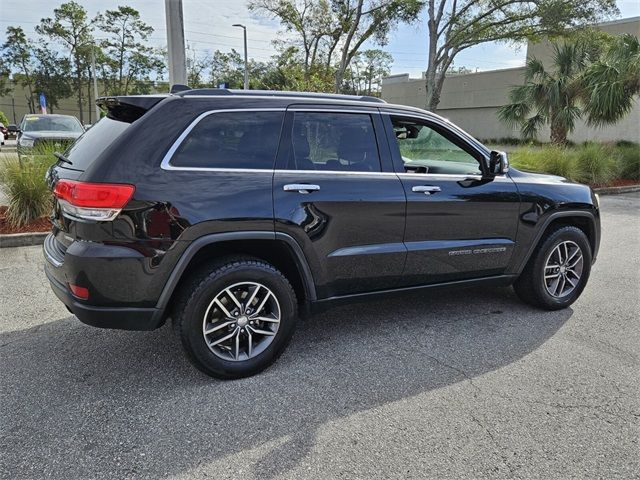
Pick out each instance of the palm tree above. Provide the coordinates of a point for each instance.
(549, 96)
(612, 81)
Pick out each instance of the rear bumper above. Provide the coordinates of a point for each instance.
(60, 266)
(106, 317)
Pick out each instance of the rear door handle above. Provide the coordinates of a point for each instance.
(301, 187)
(426, 189)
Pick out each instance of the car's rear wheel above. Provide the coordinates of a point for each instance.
(558, 270)
(236, 317)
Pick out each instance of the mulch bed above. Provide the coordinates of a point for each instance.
(40, 225)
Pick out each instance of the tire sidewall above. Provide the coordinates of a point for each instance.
(193, 315)
(564, 234)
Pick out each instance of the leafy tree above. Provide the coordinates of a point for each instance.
(333, 31)
(196, 68)
(3, 119)
(314, 24)
(457, 25)
(612, 81)
(128, 60)
(366, 71)
(5, 71)
(71, 26)
(51, 74)
(549, 95)
(17, 52)
(361, 20)
(227, 68)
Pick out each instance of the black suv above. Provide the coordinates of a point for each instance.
(234, 212)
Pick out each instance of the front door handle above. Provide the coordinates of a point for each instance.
(301, 187)
(426, 189)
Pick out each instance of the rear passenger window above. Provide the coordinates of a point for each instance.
(333, 141)
(231, 140)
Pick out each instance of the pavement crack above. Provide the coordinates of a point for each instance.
(498, 445)
(459, 370)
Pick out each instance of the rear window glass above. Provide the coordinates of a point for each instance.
(231, 140)
(333, 141)
(93, 142)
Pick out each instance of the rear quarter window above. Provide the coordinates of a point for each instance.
(231, 140)
(93, 142)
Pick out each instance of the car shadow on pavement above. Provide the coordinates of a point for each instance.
(118, 404)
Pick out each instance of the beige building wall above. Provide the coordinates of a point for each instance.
(17, 101)
(472, 100)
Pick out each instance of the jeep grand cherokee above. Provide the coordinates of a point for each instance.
(234, 212)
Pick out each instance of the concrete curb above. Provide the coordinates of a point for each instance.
(617, 190)
(22, 239)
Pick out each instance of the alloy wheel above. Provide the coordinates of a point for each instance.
(241, 321)
(563, 269)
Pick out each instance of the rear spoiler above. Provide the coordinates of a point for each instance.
(128, 108)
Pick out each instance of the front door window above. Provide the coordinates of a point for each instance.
(425, 150)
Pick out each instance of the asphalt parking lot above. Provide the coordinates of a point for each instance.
(448, 385)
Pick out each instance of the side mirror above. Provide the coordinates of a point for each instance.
(498, 163)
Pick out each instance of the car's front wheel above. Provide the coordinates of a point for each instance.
(236, 317)
(558, 270)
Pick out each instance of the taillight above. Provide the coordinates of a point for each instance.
(92, 201)
(80, 292)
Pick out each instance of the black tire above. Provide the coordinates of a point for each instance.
(198, 293)
(531, 287)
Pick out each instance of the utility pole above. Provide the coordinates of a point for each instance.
(175, 41)
(246, 57)
(95, 81)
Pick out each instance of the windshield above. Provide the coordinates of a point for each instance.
(51, 123)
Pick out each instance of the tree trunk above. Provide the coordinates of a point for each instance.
(558, 133)
(89, 102)
(79, 87)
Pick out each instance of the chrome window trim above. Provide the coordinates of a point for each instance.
(334, 172)
(166, 160)
(444, 176)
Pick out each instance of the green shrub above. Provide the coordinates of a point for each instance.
(551, 159)
(626, 143)
(628, 162)
(24, 184)
(595, 164)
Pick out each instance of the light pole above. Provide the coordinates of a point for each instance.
(175, 42)
(246, 58)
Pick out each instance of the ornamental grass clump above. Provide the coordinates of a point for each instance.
(628, 161)
(23, 181)
(595, 164)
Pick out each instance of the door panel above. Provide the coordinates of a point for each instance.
(460, 222)
(465, 230)
(350, 223)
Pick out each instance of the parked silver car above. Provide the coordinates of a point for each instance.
(58, 130)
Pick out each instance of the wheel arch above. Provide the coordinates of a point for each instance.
(582, 219)
(278, 249)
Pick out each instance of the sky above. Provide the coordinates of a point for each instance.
(208, 27)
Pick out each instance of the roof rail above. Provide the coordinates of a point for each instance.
(278, 93)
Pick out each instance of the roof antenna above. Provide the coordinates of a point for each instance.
(178, 87)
